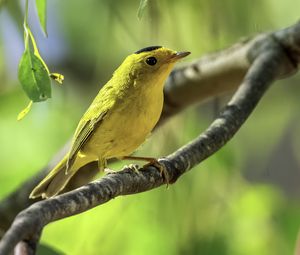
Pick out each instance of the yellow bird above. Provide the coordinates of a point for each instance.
(119, 119)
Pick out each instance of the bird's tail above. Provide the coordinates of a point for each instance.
(54, 182)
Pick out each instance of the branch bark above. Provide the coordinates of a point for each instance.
(269, 56)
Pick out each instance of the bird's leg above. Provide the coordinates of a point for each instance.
(151, 162)
(134, 167)
(102, 166)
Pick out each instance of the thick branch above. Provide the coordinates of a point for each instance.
(270, 61)
(193, 82)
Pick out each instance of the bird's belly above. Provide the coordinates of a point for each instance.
(126, 130)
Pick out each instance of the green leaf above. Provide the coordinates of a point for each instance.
(34, 77)
(41, 6)
(25, 111)
(143, 4)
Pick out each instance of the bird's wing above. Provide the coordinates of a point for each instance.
(83, 134)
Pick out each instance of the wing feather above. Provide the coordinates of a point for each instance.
(83, 133)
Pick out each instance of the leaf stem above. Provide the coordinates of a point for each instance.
(26, 41)
(26, 14)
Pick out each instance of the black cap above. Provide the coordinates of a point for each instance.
(150, 48)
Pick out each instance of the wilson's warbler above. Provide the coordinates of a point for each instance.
(119, 119)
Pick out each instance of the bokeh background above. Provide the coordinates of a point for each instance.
(243, 200)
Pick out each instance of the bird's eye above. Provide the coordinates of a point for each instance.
(151, 61)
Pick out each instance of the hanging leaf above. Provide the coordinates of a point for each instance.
(25, 111)
(41, 6)
(33, 73)
(143, 4)
(34, 77)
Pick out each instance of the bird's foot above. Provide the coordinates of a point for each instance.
(132, 167)
(109, 171)
(155, 163)
(162, 169)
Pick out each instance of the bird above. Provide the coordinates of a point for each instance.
(119, 119)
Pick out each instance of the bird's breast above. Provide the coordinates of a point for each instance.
(128, 124)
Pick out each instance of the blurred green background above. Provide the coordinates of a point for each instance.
(243, 200)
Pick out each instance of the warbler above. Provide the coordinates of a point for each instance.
(119, 119)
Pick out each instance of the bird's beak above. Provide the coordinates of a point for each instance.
(179, 55)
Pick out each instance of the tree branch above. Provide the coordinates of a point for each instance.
(271, 55)
(194, 82)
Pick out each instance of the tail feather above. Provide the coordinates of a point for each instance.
(54, 182)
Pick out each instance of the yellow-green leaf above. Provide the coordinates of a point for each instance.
(25, 111)
(143, 4)
(34, 77)
(41, 6)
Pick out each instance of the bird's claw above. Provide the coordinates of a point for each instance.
(109, 171)
(132, 167)
(162, 169)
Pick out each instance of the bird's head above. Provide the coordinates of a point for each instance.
(155, 63)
